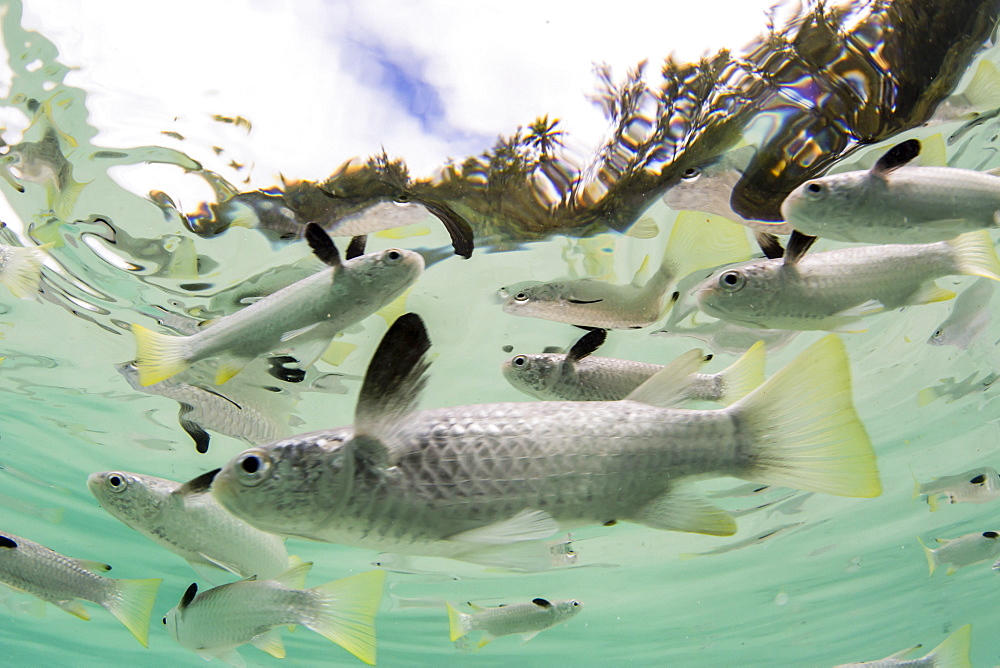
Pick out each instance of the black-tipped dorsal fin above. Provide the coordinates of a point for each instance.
(797, 246)
(357, 247)
(896, 157)
(322, 245)
(769, 244)
(541, 602)
(458, 228)
(188, 596)
(392, 385)
(587, 344)
(198, 485)
(9, 543)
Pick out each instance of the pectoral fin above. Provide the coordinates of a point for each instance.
(686, 511)
(526, 525)
(270, 642)
(75, 608)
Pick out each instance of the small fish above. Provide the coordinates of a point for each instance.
(836, 289)
(486, 483)
(694, 244)
(981, 485)
(524, 619)
(21, 268)
(894, 202)
(66, 582)
(44, 163)
(188, 521)
(965, 550)
(216, 622)
(307, 313)
(982, 94)
(970, 316)
(952, 653)
(577, 376)
(740, 544)
(953, 390)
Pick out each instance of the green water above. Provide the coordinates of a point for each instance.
(843, 580)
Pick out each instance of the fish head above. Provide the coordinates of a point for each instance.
(741, 293)
(532, 374)
(566, 609)
(290, 488)
(830, 206)
(386, 274)
(708, 187)
(539, 300)
(137, 500)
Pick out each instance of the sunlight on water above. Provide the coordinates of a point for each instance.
(167, 217)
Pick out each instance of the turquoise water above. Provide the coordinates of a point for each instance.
(809, 580)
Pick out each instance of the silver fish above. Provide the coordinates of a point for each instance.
(587, 302)
(524, 619)
(484, 483)
(893, 202)
(66, 582)
(309, 312)
(836, 289)
(952, 653)
(188, 521)
(965, 550)
(578, 376)
(980, 485)
(970, 316)
(216, 622)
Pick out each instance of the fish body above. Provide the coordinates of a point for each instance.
(524, 619)
(216, 622)
(835, 289)
(188, 522)
(963, 551)
(479, 482)
(895, 203)
(952, 653)
(65, 582)
(981, 485)
(969, 318)
(309, 313)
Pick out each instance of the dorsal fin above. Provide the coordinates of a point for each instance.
(392, 385)
(798, 244)
(587, 344)
(322, 245)
(357, 247)
(896, 157)
(541, 602)
(7, 542)
(188, 596)
(458, 228)
(198, 485)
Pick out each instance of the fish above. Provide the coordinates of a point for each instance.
(694, 243)
(953, 652)
(216, 622)
(726, 338)
(982, 94)
(980, 485)
(187, 520)
(307, 313)
(203, 408)
(836, 289)
(43, 162)
(966, 550)
(21, 268)
(954, 390)
(894, 202)
(970, 316)
(66, 582)
(485, 483)
(524, 619)
(578, 376)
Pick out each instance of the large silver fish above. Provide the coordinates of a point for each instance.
(484, 482)
(895, 203)
(836, 289)
(188, 521)
(309, 312)
(65, 582)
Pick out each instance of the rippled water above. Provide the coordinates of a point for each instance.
(808, 579)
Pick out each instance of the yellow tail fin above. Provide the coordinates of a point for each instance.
(929, 553)
(975, 255)
(744, 375)
(158, 356)
(954, 651)
(348, 612)
(133, 605)
(455, 626)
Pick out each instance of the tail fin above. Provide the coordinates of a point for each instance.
(132, 603)
(347, 612)
(954, 651)
(744, 375)
(21, 269)
(457, 625)
(975, 255)
(929, 553)
(803, 428)
(158, 356)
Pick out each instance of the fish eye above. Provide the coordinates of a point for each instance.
(691, 173)
(990, 534)
(117, 482)
(392, 256)
(576, 604)
(978, 480)
(815, 188)
(521, 297)
(520, 360)
(164, 621)
(252, 466)
(731, 281)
